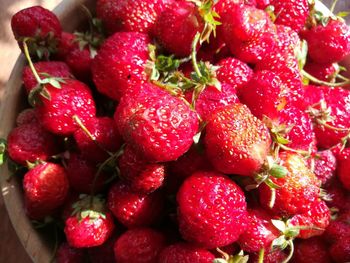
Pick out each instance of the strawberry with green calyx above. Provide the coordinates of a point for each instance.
(90, 224)
(226, 258)
(39, 27)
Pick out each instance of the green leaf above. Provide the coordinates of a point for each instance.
(280, 242)
(219, 260)
(343, 14)
(197, 137)
(3, 152)
(54, 82)
(271, 184)
(280, 139)
(45, 93)
(278, 171)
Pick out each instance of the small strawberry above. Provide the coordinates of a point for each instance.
(142, 176)
(31, 143)
(296, 192)
(292, 13)
(156, 124)
(236, 142)
(27, 116)
(233, 72)
(260, 231)
(212, 210)
(140, 245)
(44, 68)
(134, 209)
(40, 26)
(340, 251)
(97, 139)
(119, 64)
(90, 225)
(67, 254)
(343, 171)
(130, 16)
(325, 165)
(83, 175)
(103, 253)
(185, 253)
(45, 189)
(328, 43)
(313, 222)
(325, 72)
(311, 250)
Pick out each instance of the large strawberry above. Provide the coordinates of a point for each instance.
(130, 16)
(139, 245)
(40, 27)
(156, 124)
(119, 64)
(45, 189)
(212, 210)
(236, 142)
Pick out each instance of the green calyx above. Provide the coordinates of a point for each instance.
(3, 151)
(226, 258)
(89, 206)
(40, 47)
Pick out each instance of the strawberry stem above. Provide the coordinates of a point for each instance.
(291, 252)
(261, 255)
(333, 6)
(30, 63)
(194, 55)
(273, 198)
(324, 83)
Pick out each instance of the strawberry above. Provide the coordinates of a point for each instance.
(296, 192)
(236, 142)
(185, 253)
(288, 39)
(67, 254)
(130, 16)
(234, 72)
(90, 225)
(31, 143)
(140, 245)
(272, 256)
(315, 221)
(177, 26)
(340, 251)
(58, 106)
(119, 64)
(339, 228)
(134, 209)
(83, 176)
(311, 250)
(143, 177)
(325, 165)
(324, 71)
(212, 210)
(328, 109)
(338, 195)
(260, 231)
(45, 189)
(262, 4)
(343, 171)
(98, 137)
(156, 124)
(328, 43)
(44, 68)
(27, 116)
(103, 253)
(292, 13)
(40, 26)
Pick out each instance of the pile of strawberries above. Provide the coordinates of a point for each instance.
(187, 131)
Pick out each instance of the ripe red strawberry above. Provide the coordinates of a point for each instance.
(30, 142)
(27, 116)
(130, 16)
(72, 98)
(338, 229)
(325, 165)
(185, 253)
(292, 13)
(65, 44)
(103, 253)
(177, 26)
(288, 39)
(139, 245)
(234, 72)
(40, 25)
(272, 256)
(328, 108)
(142, 176)
(316, 220)
(156, 124)
(82, 173)
(340, 251)
(338, 195)
(311, 250)
(328, 43)
(297, 191)
(67, 254)
(262, 4)
(236, 142)
(325, 71)
(106, 139)
(90, 225)
(211, 99)
(119, 64)
(260, 231)
(134, 209)
(44, 68)
(212, 210)
(45, 189)
(343, 171)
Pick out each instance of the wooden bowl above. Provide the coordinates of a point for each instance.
(39, 247)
